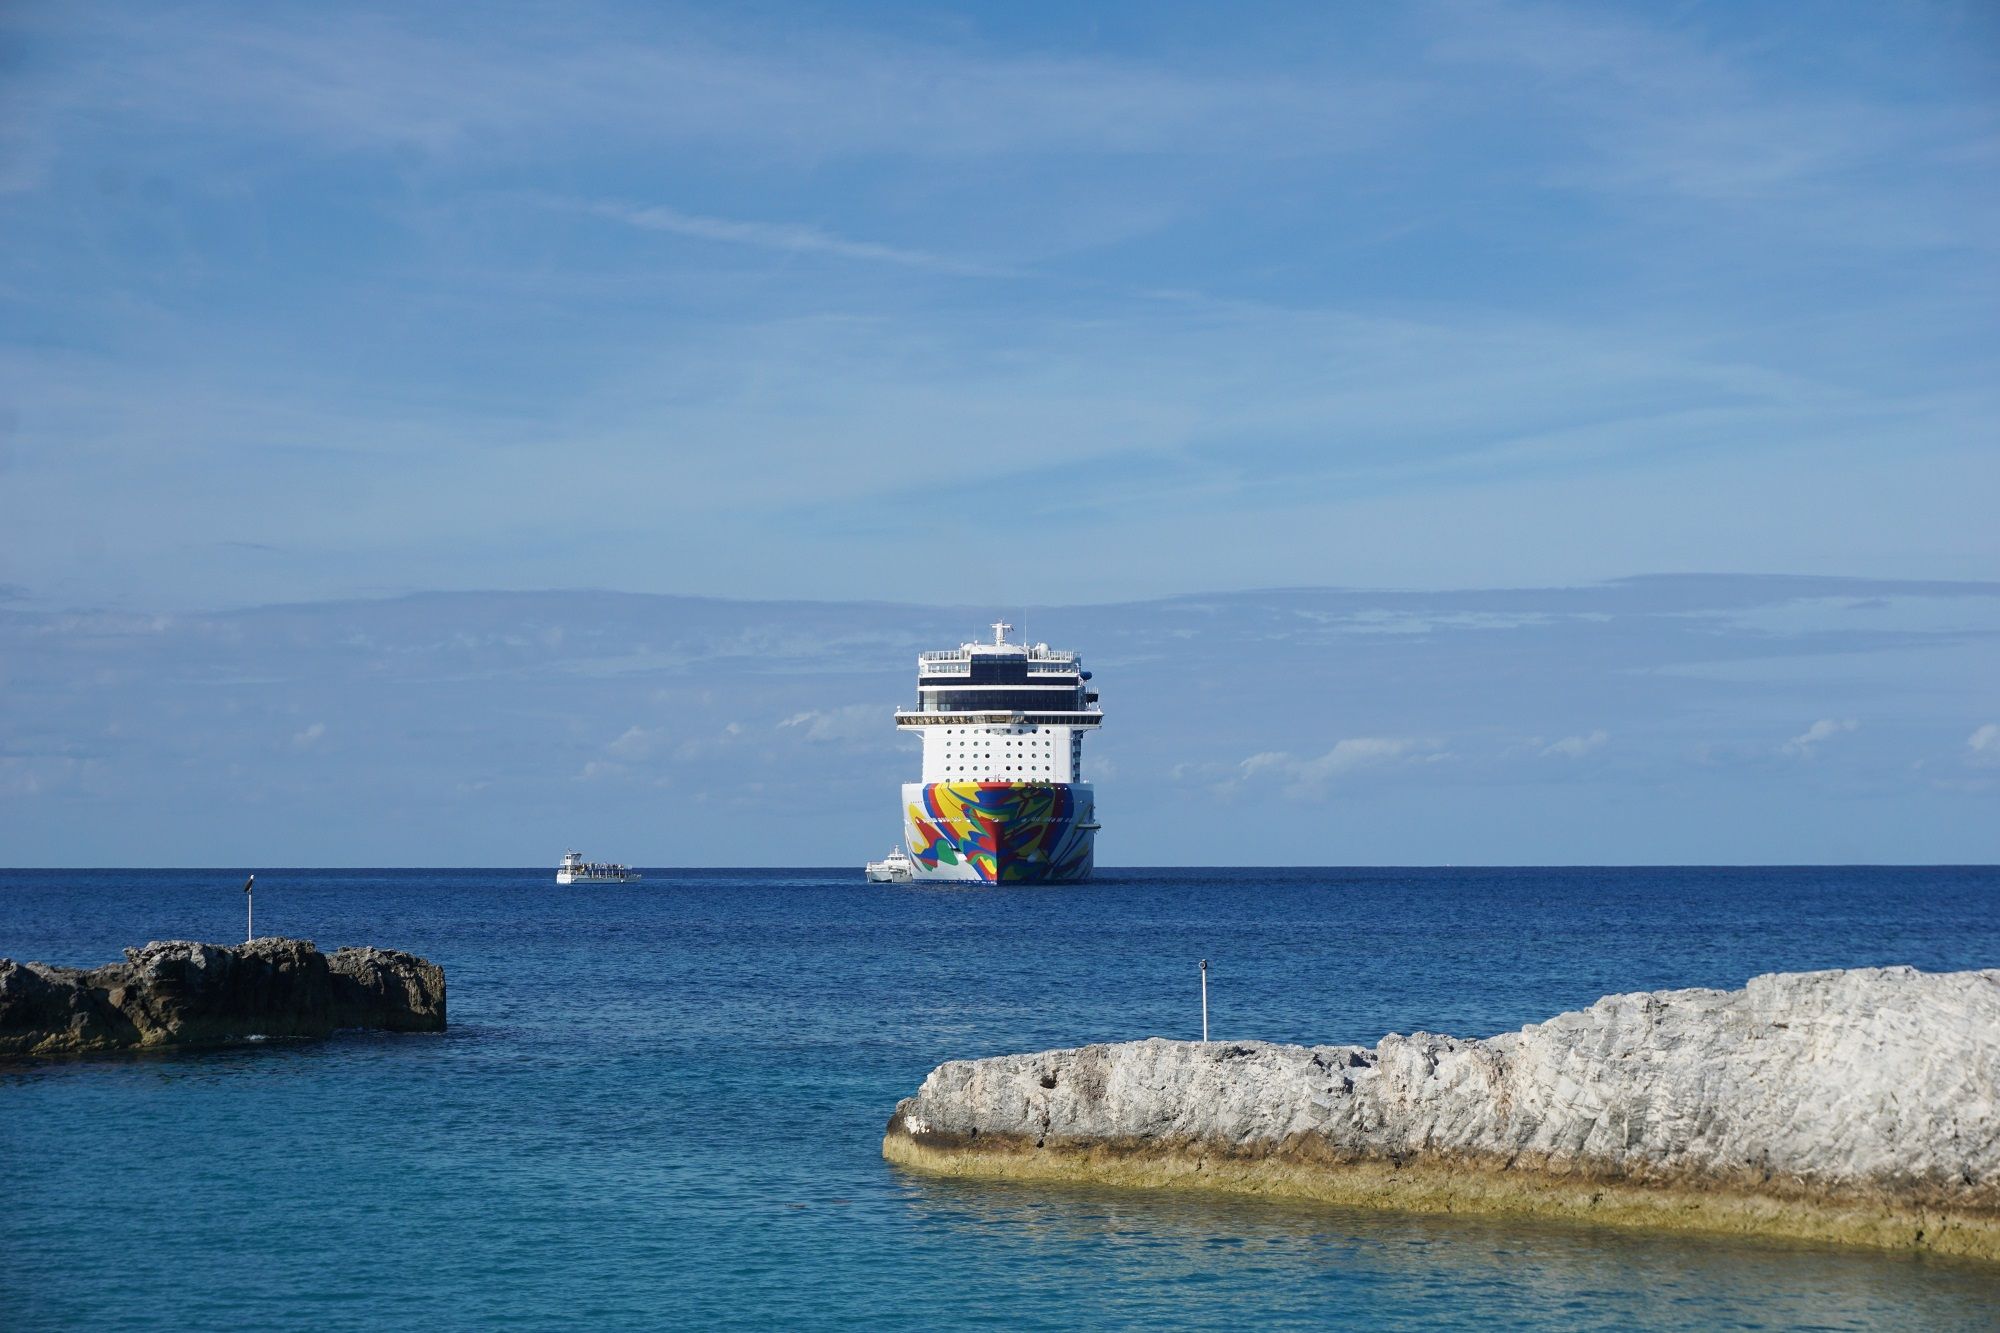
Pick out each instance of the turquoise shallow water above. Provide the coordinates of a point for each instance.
(660, 1104)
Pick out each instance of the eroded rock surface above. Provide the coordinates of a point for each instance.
(385, 989)
(1861, 1095)
(181, 993)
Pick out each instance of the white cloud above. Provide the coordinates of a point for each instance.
(1806, 743)
(306, 739)
(637, 743)
(1306, 776)
(1575, 747)
(1985, 744)
(850, 722)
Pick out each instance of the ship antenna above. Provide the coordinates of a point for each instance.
(1000, 628)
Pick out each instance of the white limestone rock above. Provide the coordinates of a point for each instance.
(1879, 1085)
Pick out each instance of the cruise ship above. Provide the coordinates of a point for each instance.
(1003, 797)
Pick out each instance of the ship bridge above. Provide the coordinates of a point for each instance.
(1011, 681)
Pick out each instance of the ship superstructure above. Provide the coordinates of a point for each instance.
(1003, 796)
(573, 869)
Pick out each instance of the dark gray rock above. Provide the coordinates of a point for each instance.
(388, 990)
(181, 993)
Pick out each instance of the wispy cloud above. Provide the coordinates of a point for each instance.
(1663, 109)
(636, 743)
(1807, 742)
(789, 237)
(489, 90)
(1575, 747)
(845, 724)
(1309, 776)
(1377, 326)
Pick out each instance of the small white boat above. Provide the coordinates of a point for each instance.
(895, 868)
(575, 870)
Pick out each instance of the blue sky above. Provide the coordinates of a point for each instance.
(851, 301)
(941, 307)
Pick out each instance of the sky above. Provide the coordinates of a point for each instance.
(1127, 301)
(1660, 720)
(311, 311)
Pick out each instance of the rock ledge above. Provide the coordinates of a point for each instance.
(180, 993)
(1858, 1106)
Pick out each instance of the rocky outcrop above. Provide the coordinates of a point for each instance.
(1859, 1106)
(180, 993)
(386, 990)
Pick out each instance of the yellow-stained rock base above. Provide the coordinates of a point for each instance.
(1466, 1187)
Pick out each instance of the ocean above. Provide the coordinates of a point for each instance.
(660, 1104)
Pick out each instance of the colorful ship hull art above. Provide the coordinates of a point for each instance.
(1000, 832)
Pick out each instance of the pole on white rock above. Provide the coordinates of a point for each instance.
(1204, 999)
(249, 910)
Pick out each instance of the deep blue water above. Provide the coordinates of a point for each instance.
(661, 1104)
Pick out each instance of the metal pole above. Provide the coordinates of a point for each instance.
(1204, 999)
(249, 910)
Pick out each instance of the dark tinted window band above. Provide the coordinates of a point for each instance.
(997, 701)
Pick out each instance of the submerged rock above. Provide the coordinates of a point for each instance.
(1859, 1106)
(180, 993)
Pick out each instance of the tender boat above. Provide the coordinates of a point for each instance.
(575, 870)
(895, 868)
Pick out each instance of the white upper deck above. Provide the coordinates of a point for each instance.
(1022, 682)
(1002, 712)
(1042, 660)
